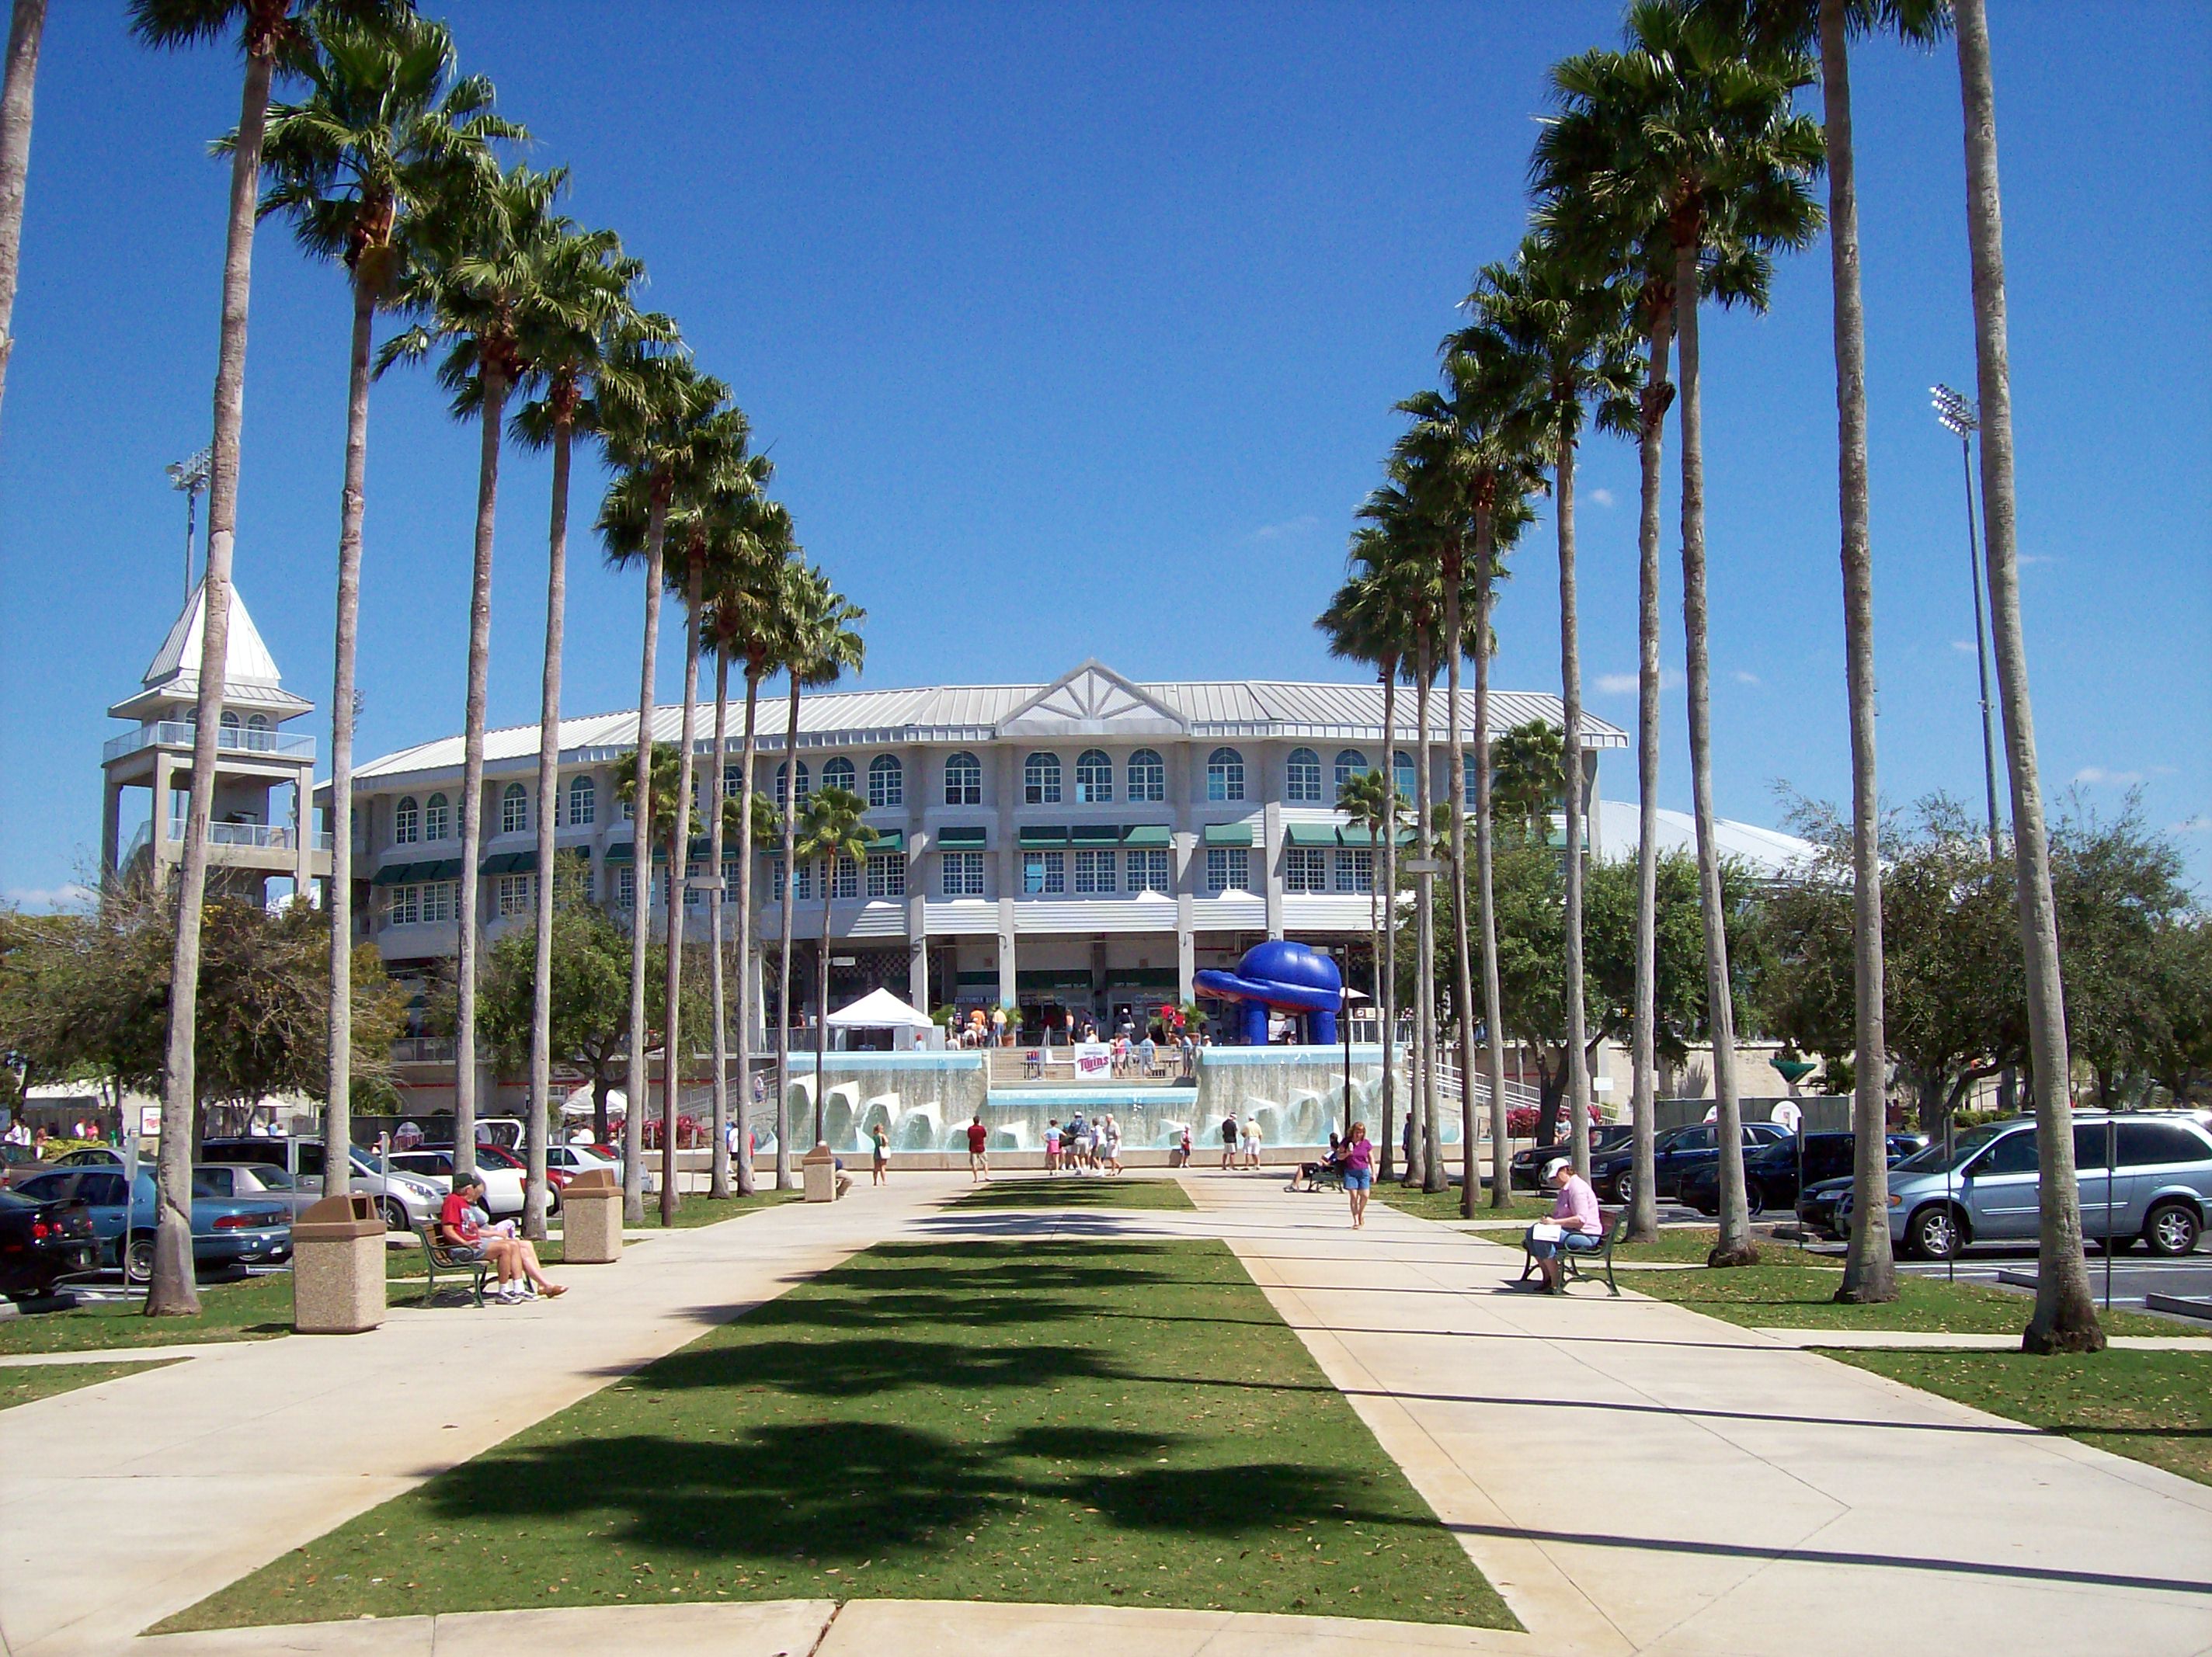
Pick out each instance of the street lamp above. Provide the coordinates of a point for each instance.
(1959, 417)
(191, 477)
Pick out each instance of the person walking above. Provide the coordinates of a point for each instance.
(1252, 1141)
(979, 1144)
(1358, 1172)
(1229, 1143)
(999, 1026)
(1052, 1146)
(1110, 1144)
(879, 1170)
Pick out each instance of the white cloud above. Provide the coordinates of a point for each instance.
(1964, 647)
(1602, 497)
(2097, 774)
(44, 899)
(1288, 527)
(1742, 678)
(2027, 558)
(1624, 684)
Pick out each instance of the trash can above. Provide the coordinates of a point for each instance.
(592, 1218)
(820, 1165)
(337, 1266)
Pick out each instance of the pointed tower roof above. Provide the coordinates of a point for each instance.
(251, 679)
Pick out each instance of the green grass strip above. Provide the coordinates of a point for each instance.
(2151, 1406)
(255, 1308)
(28, 1383)
(1115, 1424)
(1444, 1204)
(1077, 1191)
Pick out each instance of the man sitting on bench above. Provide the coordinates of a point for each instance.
(1330, 1166)
(1575, 1224)
(513, 1260)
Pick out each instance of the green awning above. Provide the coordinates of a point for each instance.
(448, 869)
(1148, 834)
(1033, 834)
(1309, 834)
(963, 839)
(888, 840)
(621, 852)
(1096, 834)
(393, 874)
(509, 863)
(1228, 833)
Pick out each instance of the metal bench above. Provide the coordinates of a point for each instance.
(439, 1257)
(1571, 1260)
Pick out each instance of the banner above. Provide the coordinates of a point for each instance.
(1093, 1059)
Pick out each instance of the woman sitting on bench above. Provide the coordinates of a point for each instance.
(1575, 1223)
(513, 1260)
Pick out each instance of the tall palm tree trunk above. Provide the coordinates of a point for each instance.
(637, 1081)
(1734, 1245)
(783, 948)
(1425, 1163)
(172, 1291)
(745, 1009)
(1643, 1203)
(353, 503)
(1570, 767)
(2065, 1317)
(24, 30)
(537, 1125)
(1869, 1272)
(1486, 844)
(718, 1156)
(472, 763)
(679, 866)
(1388, 880)
(1462, 971)
(822, 1000)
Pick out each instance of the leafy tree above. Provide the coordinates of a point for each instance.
(1529, 774)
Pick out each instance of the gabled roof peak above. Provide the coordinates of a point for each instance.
(1092, 700)
(250, 673)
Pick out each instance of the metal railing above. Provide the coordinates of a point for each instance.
(422, 1050)
(177, 733)
(258, 836)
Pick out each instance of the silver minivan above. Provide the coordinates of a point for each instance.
(2140, 1175)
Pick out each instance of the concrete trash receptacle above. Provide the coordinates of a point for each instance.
(337, 1266)
(592, 1218)
(820, 1167)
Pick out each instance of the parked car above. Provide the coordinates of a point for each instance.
(42, 1242)
(226, 1230)
(404, 1200)
(262, 1182)
(2156, 1189)
(1818, 1202)
(1526, 1171)
(90, 1156)
(18, 1162)
(1772, 1173)
(1677, 1151)
(434, 1165)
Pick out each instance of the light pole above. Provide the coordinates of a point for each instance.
(191, 477)
(1961, 417)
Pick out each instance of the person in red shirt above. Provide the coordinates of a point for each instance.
(514, 1260)
(979, 1142)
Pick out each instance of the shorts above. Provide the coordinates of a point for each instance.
(464, 1253)
(1357, 1181)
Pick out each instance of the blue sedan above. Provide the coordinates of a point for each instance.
(226, 1231)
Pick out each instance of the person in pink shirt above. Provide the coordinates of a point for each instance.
(1575, 1212)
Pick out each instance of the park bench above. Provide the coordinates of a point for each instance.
(1570, 1270)
(439, 1257)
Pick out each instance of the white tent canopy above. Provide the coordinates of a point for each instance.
(879, 1009)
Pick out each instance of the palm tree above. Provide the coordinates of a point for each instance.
(25, 29)
(270, 38)
(651, 408)
(1562, 314)
(837, 838)
(580, 304)
(821, 644)
(2065, 1317)
(385, 134)
(1686, 132)
(470, 285)
(743, 613)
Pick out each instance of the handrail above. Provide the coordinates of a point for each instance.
(261, 836)
(180, 733)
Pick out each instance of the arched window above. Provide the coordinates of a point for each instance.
(257, 722)
(513, 810)
(886, 782)
(1302, 785)
(1041, 779)
(1094, 778)
(1350, 763)
(963, 780)
(1225, 774)
(733, 780)
(1404, 780)
(583, 802)
(783, 785)
(437, 818)
(839, 773)
(1148, 777)
(406, 821)
(229, 720)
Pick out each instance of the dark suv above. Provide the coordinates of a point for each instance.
(1678, 1151)
(1774, 1174)
(1526, 1171)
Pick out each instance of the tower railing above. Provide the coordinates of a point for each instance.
(237, 740)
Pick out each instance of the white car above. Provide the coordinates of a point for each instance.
(502, 1185)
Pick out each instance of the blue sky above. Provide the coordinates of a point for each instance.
(1074, 332)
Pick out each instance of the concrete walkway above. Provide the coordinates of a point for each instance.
(1633, 1476)
(122, 1503)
